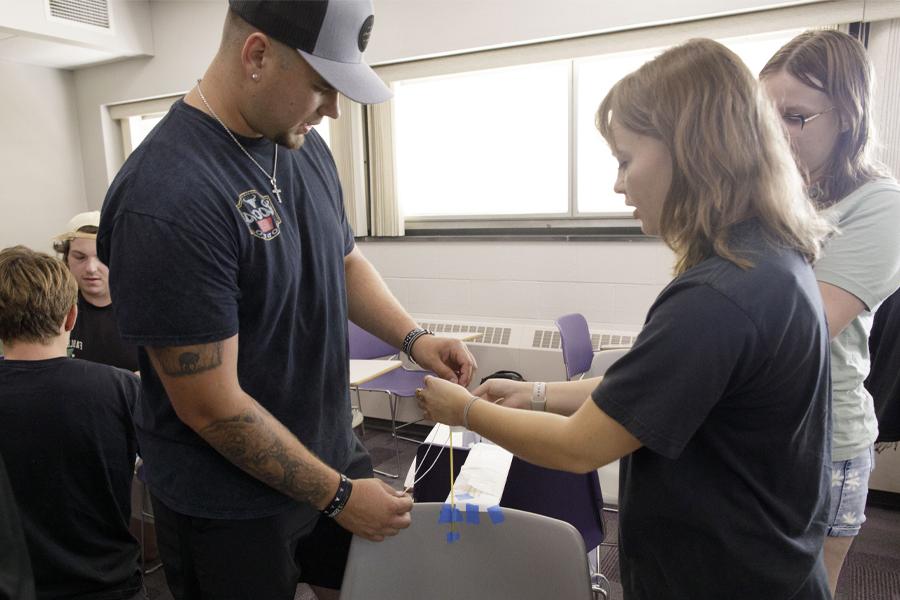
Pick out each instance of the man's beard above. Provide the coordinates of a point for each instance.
(290, 140)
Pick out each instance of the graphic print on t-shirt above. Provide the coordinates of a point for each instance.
(259, 214)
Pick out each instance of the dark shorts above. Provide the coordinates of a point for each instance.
(254, 558)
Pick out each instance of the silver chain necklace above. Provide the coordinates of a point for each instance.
(271, 178)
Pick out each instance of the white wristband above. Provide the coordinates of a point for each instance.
(539, 396)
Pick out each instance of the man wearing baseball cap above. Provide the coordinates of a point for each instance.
(95, 336)
(235, 270)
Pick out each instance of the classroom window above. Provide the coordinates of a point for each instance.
(519, 142)
(491, 142)
(137, 119)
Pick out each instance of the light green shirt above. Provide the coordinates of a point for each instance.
(863, 259)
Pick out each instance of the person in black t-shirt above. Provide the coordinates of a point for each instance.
(721, 410)
(16, 581)
(96, 336)
(234, 269)
(883, 381)
(67, 437)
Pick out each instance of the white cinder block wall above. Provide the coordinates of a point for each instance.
(611, 283)
(531, 282)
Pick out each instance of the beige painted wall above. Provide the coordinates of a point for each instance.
(40, 155)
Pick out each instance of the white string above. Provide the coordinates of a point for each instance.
(419, 464)
(436, 458)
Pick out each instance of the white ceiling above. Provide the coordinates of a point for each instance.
(70, 34)
(48, 53)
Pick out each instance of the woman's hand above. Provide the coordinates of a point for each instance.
(442, 401)
(513, 394)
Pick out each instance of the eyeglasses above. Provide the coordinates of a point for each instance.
(800, 121)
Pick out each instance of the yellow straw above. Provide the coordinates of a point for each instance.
(452, 497)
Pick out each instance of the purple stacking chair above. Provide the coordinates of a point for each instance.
(577, 349)
(578, 356)
(399, 383)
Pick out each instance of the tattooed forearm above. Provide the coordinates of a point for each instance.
(250, 442)
(188, 360)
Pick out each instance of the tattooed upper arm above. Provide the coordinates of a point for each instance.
(181, 361)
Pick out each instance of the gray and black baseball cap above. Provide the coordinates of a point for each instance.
(330, 34)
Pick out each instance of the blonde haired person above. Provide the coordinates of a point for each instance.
(95, 337)
(720, 411)
(67, 438)
(822, 83)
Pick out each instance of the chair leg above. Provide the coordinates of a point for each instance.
(601, 589)
(409, 439)
(359, 406)
(599, 583)
(392, 402)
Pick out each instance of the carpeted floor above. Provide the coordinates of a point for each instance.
(872, 570)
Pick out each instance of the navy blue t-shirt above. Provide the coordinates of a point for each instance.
(199, 250)
(728, 389)
(68, 440)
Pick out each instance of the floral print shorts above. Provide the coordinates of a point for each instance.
(849, 488)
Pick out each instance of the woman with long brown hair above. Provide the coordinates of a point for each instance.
(720, 411)
(822, 82)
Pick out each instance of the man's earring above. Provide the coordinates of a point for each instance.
(255, 76)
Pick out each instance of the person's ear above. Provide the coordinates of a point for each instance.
(253, 54)
(71, 317)
(843, 122)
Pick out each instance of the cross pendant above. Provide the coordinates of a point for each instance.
(276, 190)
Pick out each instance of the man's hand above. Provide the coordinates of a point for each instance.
(514, 394)
(375, 510)
(447, 357)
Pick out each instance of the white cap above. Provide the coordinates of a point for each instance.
(77, 222)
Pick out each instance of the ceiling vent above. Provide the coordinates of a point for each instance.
(94, 13)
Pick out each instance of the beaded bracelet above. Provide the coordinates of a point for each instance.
(337, 504)
(411, 338)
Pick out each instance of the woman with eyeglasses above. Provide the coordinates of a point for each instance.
(821, 82)
(720, 411)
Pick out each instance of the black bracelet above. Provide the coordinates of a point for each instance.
(337, 504)
(411, 338)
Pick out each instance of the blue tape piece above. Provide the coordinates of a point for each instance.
(452, 536)
(464, 496)
(446, 515)
(450, 513)
(496, 514)
(472, 515)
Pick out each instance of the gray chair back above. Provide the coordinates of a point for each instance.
(604, 359)
(525, 557)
